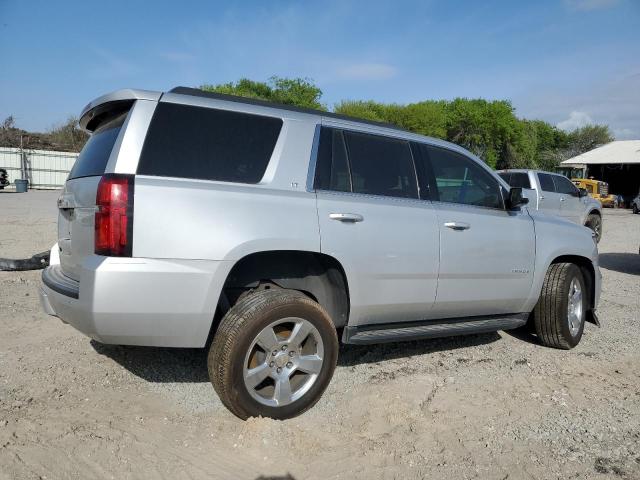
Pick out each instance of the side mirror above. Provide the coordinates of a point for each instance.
(516, 198)
(583, 193)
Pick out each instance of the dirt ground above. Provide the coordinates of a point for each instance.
(484, 406)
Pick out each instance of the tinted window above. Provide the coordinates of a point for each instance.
(93, 158)
(516, 179)
(381, 165)
(564, 185)
(195, 142)
(546, 182)
(459, 179)
(332, 171)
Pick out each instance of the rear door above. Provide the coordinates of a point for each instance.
(571, 205)
(548, 198)
(77, 202)
(486, 252)
(374, 223)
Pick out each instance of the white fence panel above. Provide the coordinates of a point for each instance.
(44, 169)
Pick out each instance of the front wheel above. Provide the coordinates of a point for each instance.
(560, 313)
(273, 355)
(635, 208)
(594, 222)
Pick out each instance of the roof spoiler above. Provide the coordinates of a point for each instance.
(119, 101)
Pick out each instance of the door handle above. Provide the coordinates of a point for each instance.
(541, 197)
(562, 199)
(346, 217)
(457, 225)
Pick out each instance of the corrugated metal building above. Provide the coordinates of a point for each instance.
(617, 163)
(44, 169)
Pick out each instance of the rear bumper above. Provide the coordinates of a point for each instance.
(138, 301)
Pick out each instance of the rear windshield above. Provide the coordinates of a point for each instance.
(208, 144)
(516, 179)
(93, 158)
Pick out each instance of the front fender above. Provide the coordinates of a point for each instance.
(555, 238)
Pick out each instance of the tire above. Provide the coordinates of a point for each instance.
(236, 351)
(635, 208)
(594, 222)
(551, 314)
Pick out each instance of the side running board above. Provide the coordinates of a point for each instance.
(400, 332)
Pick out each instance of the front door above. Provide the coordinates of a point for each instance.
(549, 200)
(486, 252)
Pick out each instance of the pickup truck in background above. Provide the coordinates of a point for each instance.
(555, 194)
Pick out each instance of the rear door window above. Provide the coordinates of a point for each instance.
(332, 169)
(546, 182)
(381, 165)
(209, 144)
(93, 158)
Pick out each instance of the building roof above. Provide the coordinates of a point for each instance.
(618, 152)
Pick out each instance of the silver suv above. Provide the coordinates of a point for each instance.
(555, 194)
(276, 231)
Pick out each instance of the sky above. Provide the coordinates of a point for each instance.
(569, 62)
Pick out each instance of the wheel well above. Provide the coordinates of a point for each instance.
(588, 272)
(319, 276)
(595, 212)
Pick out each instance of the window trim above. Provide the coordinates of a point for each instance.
(315, 150)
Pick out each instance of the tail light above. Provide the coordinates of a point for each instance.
(114, 216)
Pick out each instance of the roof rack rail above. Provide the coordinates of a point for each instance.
(196, 92)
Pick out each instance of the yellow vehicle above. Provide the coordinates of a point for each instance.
(598, 190)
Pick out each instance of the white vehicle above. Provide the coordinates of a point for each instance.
(278, 231)
(555, 194)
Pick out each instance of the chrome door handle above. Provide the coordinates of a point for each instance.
(346, 217)
(541, 197)
(457, 225)
(562, 199)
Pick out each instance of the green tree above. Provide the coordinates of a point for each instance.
(587, 138)
(300, 92)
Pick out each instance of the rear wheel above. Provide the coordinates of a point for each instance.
(594, 222)
(273, 355)
(635, 208)
(560, 313)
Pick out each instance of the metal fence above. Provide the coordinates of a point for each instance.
(43, 168)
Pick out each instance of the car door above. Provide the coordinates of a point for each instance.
(486, 252)
(373, 222)
(571, 205)
(548, 198)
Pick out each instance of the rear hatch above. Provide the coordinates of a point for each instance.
(77, 203)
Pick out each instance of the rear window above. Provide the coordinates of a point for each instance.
(516, 179)
(93, 158)
(381, 166)
(546, 182)
(208, 144)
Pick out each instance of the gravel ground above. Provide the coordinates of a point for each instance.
(483, 406)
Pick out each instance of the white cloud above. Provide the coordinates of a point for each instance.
(575, 120)
(367, 71)
(587, 5)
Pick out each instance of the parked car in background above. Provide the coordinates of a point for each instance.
(555, 194)
(598, 190)
(270, 229)
(4, 178)
(635, 204)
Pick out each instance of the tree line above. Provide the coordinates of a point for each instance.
(488, 128)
